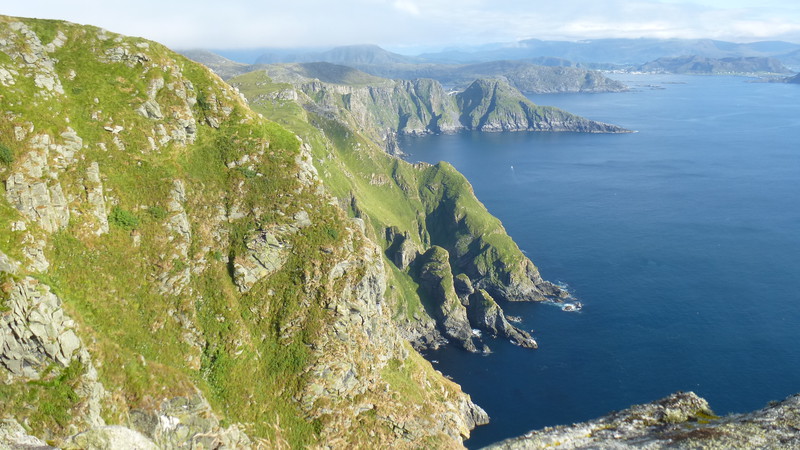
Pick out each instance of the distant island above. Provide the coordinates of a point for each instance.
(700, 65)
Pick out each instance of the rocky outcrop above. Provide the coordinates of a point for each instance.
(180, 422)
(401, 249)
(681, 420)
(108, 437)
(439, 297)
(485, 314)
(40, 201)
(493, 105)
(36, 58)
(36, 331)
(14, 436)
(95, 198)
(266, 252)
(174, 281)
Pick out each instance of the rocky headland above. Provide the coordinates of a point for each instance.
(381, 108)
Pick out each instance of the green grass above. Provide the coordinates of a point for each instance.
(399, 376)
(122, 218)
(44, 404)
(402, 291)
(6, 155)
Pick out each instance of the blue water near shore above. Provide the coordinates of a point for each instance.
(682, 240)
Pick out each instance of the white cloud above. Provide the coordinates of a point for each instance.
(407, 7)
(395, 23)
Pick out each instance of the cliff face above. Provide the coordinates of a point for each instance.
(493, 105)
(381, 108)
(681, 420)
(435, 234)
(174, 272)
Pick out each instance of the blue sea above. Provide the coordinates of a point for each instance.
(682, 240)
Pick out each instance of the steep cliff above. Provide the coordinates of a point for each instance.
(435, 234)
(493, 105)
(382, 108)
(174, 272)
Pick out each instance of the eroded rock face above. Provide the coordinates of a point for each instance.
(681, 420)
(14, 436)
(39, 201)
(35, 331)
(108, 437)
(436, 277)
(180, 230)
(402, 249)
(96, 198)
(186, 422)
(351, 372)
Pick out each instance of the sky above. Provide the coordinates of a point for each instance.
(419, 25)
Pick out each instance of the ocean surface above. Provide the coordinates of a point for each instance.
(682, 240)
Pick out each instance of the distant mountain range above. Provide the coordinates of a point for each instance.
(621, 51)
(350, 54)
(531, 66)
(592, 54)
(529, 76)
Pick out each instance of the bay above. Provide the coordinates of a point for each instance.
(682, 241)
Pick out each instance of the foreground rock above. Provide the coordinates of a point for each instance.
(681, 420)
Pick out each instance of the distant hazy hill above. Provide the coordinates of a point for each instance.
(530, 76)
(558, 76)
(322, 71)
(346, 55)
(222, 66)
(703, 65)
(617, 51)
